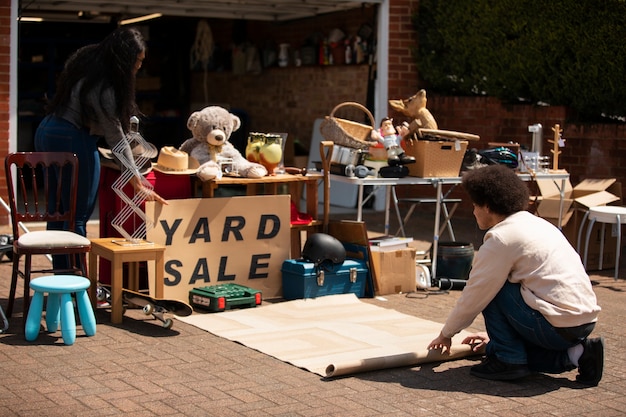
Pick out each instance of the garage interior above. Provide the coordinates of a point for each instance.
(212, 53)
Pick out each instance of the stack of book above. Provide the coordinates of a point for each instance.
(389, 243)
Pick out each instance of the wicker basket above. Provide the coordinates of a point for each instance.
(436, 158)
(347, 132)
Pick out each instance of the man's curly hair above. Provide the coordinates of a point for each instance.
(498, 188)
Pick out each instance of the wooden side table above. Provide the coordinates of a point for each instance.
(270, 185)
(118, 254)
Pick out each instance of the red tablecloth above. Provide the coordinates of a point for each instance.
(167, 186)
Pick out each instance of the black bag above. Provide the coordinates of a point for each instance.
(399, 171)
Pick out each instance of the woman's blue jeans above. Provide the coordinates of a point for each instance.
(520, 335)
(58, 135)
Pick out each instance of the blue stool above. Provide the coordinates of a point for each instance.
(60, 307)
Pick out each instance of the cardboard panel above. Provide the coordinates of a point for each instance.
(395, 271)
(549, 207)
(591, 185)
(353, 235)
(599, 198)
(242, 240)
(589, 193)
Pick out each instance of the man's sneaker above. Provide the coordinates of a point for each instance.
(591, 362)
(494, 369)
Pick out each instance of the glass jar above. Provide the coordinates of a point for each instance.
(271, 152)
(253, 148)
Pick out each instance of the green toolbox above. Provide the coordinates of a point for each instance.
(224, 297)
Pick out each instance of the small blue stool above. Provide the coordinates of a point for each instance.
(60, 307)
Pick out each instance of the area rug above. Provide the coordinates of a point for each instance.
(331, 336)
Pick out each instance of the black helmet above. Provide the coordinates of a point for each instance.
(321, 248)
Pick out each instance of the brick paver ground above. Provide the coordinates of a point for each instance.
(140, 369)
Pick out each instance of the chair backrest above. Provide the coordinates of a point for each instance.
(35, 180)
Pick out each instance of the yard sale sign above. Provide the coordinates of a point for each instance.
(211, 241)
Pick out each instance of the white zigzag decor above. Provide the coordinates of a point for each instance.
(132, 203)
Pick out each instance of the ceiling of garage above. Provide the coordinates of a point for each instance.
(267, 10)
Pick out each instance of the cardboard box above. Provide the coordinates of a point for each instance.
(435, 158)
(589, 193)
(577, 200)
(395, 271)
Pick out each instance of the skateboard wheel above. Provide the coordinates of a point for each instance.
(168, 323)
(100, 294)
(147, 309)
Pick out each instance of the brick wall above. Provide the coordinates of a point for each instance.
(5, 44)
(283, 99)
(294, 98)
(403, 80)
(591, 150)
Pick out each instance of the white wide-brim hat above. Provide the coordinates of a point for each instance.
(175, 161)
(148, 151)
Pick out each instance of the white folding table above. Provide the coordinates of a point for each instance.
(438, 183)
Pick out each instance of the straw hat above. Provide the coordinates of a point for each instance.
(175, 161)
(148, 151)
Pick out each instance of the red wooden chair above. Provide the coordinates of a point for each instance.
(31, 178)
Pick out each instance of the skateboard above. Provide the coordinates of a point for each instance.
(157, 307)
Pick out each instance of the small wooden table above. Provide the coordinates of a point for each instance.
(271, 185)
(118, 254)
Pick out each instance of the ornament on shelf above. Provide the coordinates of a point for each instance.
(283, 55)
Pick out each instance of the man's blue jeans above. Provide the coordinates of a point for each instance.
(520, 335)
(58, 135)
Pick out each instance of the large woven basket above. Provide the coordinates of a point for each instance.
(345, 132)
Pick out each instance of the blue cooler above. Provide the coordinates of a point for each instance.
(301, 279)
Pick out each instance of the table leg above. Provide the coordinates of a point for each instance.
(208, 188)
(93, 277)
(387, 207)
(433, 264)
(312, 198)
(133, 276)
(117, 282)
(562, 196)
(619, 246)
(394, 196)
(359, 204)
(159, 267)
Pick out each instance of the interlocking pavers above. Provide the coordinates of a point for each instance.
(138, 368)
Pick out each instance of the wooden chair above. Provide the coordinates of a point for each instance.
(31, 179)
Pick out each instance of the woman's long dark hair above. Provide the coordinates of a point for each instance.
(108, 64)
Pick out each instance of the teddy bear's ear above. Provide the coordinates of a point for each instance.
(236, 122)
(193, 120)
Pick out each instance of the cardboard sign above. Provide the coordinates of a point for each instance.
(211, 241)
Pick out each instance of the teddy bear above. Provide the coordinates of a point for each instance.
(211, 128)
(415, 108)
